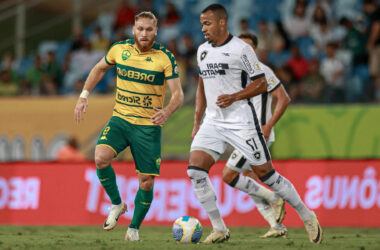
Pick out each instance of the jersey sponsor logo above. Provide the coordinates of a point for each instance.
(248, 64)
(147, 101)
(129, 99)
(213, 69)
(125, 54)
(203, 55)
(131, 74)
(226, 54)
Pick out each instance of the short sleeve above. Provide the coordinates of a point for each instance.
(170, 66)
(250, 63)
(110, 57)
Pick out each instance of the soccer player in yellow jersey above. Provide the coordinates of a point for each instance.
(144, 68)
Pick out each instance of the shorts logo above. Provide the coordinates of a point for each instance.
(257, 155)
(147, 101)
(203, 55)
(125, 54)
(158, 162)
(233, 156)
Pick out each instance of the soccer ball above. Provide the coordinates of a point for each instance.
(187, 229)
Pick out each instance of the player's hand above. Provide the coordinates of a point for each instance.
(195, 131)
(81, 106)
(266, 131)
(160, 117)
(224, 101)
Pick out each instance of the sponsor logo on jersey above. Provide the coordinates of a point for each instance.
(213, 69)
(131, 74)
(203, 55)
(147, 101)
(226, 54)
(129, 99)
(125, 54)
(248, 64)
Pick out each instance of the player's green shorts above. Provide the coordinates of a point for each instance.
(145, 143)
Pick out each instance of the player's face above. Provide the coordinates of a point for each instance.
(144, 32)
(211, 26)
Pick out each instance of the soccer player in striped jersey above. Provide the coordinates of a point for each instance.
(225, 99)
(144, 69)
(237, 163)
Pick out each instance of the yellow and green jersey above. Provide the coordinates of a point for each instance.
(141, 79)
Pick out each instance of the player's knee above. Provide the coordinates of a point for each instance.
(146, 182)
(229, 175)
(196, 173)
(101, 161)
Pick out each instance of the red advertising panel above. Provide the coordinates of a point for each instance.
(342, 193)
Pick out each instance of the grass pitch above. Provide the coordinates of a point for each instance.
(94, 237)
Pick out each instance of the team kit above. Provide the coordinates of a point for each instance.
(233, 106)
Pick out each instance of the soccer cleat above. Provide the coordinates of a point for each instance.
(279, 209)
(274, 232)
(217, 237)
(132, 234)
(314, 230)
(113, 216)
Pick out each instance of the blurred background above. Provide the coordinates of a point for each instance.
(323, 51)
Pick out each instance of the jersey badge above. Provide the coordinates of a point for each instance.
(125, 54)
(203, 55)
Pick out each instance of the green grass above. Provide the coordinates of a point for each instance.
(93, 237)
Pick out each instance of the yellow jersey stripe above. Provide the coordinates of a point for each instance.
(136, 116)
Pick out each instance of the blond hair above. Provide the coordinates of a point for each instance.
(146, 14)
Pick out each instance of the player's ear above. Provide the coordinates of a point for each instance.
(133, 30)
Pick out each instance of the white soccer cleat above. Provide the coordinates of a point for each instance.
(274, 232)
(314, 230)
(132, 234)
(217, 237)
(279, 210)
(113, 216)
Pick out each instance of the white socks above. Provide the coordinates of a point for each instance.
(205, 193)
(253, 188)
(282, 187)
(266, 210)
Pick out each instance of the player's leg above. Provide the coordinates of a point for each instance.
(145, 143)
(285, 189)
(260, 195)
(205, 150)
(108, 145)
(278, 204)
(143, 200)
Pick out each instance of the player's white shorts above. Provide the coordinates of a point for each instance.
(238, 162)
(213, 140)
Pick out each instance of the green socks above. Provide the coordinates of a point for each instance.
(143, 200)
(107, 178)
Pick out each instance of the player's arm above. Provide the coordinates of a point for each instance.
(257, 86)
(282, 103)
(175, 102)
(96, 74)
(200, 107)
(373, 35)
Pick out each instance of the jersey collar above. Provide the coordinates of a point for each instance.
(226, 41)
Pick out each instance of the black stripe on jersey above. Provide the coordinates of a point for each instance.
(278, 85)
(258, 130)
(257, 76)
(264, 100)
(244, 79)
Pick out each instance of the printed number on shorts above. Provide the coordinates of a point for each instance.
(251, 142)
(105, 131)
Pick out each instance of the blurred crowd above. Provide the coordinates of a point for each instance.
(323, 51)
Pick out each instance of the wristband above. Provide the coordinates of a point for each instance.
(84, 94)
